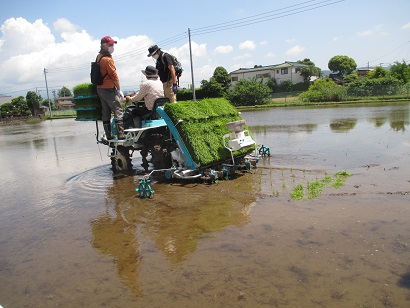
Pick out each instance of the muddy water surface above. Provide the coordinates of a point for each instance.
(73, 235)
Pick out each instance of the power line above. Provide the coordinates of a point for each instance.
(389, 53)
(287, 11)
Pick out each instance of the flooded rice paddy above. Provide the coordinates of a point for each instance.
(73, 235)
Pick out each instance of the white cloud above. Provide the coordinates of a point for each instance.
(406, 26)
(295, 50)
(270, 55)
(64, 25)
(365, 33)
(244, 56)
(204, 72)
(183, 54)
(264, 43)
(223, 49)
(290, 40)
(21, 37)
(376, 30)
(27, 48)
(247, 45)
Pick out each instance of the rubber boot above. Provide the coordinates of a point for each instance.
(107, 129)
(120, 129)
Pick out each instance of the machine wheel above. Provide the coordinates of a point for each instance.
(122, 162)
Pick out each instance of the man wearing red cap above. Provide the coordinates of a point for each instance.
(110, 90)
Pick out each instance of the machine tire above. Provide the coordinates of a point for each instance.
(122, 162)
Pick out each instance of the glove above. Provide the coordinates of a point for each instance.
(121, 95)
(175, 88)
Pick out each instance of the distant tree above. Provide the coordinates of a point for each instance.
(286, 86)
(401, 71)
(310, 70)
(17, 107)
(249, 93)
(64, 92)
(374, 86)
(351, 77)
(342, 65)
(45, 103)
(222, 77)
(272, 84)
(218, 84)
(211, 88)
(378, 72)
(33, 101)
(6, 110)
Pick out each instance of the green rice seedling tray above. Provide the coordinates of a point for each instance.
(202, 125)
(91, 101)
(88, 114)
(84, 89)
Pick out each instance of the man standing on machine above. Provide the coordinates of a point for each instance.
(166, 71)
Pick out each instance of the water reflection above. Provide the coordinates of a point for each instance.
(338, 118)
(115, 237)
(399, 119)
(307, 128)
(343, 125)
(180, 215)
(378, 121)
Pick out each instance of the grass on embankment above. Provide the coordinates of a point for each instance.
(294, 101)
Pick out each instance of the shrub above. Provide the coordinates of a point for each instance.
(323, 90)
(249, 93)
(374, 87)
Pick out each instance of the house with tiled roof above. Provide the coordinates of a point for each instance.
(65, 103)
(280, 72)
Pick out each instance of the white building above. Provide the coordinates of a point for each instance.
(280, 72)
(5, 99)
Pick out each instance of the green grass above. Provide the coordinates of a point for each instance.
(295, 102)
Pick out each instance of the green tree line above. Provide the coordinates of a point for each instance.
(29, 106)
(256, 91)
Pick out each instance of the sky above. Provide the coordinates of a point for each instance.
(57, 40)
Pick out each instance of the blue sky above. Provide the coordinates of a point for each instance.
(63, 36)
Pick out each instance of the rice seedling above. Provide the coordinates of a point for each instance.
(202, 128)
(314, 189)
(298, 192)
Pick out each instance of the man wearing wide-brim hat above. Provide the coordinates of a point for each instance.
(166, 71)
(150, 90)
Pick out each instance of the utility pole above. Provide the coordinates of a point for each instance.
(192, 67)
(48, 96)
